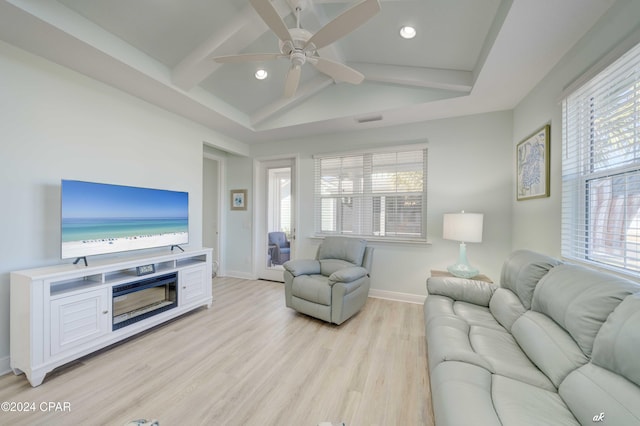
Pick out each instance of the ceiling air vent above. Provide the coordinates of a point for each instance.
(369, 119)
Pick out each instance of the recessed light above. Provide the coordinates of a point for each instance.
(261, 74)
(407, 32)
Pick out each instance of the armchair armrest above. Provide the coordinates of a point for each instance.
(462, 289)
(302, 267)
(347, 275)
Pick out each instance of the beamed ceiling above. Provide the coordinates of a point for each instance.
(468, 57)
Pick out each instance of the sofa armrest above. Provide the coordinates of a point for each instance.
(302, 267)
(462, 289)
(347, 275)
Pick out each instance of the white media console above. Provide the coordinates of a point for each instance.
(63, 312)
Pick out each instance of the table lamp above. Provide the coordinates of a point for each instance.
(465, 228)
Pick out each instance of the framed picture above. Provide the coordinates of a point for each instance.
(238, 199)
(532, 165)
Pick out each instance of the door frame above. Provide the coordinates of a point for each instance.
(218, 252)
(259, 216)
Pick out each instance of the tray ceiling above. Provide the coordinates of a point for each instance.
(469, 56)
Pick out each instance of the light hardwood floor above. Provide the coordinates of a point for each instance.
(248, 360)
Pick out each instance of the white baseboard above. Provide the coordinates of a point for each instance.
(378, 294)
(5, 365)
(400, 297)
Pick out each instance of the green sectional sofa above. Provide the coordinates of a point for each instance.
(552, 344)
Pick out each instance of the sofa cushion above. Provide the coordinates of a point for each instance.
(459, 331)
(521, 404)
(347, 275)
(436, 306)
(448, 339)
(329, 266)
(522, 270)
(476, 315)
(505, 357)
(472, 291)
(591, 392)
(302, 267)
(349, 249)
(461, 395)
(580, 300)
(549, 346)
(617, 345)
(506, 307)
(313, 288)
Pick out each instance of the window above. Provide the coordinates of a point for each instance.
(601, 168)
(372, 195)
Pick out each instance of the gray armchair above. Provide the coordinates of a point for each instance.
(279, 247)
(335, 285)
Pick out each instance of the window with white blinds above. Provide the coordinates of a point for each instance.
(376, 195)
(601, 168)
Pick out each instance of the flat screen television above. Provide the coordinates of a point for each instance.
(98, 218)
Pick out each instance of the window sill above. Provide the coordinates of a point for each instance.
(378, 240)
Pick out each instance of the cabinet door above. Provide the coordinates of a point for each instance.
(79, 319)
(194, 287)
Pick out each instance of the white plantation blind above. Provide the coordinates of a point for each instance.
(601, 168)
(372, 195)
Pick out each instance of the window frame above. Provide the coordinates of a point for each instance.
(368, 195)
(591, 116)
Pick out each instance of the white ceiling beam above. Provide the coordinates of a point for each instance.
(245, 28)
(314, 19)
(235, 36)
(305, 91)
(456, 80)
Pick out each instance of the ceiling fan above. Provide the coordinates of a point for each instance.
(300, 46)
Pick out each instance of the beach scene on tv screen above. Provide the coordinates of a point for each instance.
(101, 218)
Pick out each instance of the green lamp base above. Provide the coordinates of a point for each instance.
(462, 269)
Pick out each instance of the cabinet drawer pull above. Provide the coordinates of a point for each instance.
(105, 312)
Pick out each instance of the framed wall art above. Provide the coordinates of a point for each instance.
(238, 199)
(532, 165)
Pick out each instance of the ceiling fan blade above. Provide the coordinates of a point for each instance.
(270, 16)
(344, 23)
(336, 70)
(249, 57)
(292, 81)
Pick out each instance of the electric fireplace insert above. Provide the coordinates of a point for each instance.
(133, 302)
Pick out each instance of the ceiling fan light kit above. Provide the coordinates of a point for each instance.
(300, 46)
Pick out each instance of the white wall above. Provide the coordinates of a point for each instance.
(469, 168)
(536, 223)
(239, 225)
(54, 124)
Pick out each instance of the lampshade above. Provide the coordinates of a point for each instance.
(463, 227)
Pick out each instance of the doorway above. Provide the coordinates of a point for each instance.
(212, 218)
(276, 232)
